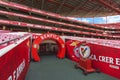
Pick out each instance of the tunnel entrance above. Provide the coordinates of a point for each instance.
(48, 47)
(48, 36)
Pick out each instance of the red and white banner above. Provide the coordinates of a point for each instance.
(73, 50)
(104, 58)
(14, 64)
(107, 59)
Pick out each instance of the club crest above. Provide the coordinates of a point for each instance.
(84, 51)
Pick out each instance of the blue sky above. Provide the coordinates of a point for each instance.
(100, 20)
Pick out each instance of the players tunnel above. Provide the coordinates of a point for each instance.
(48, 36)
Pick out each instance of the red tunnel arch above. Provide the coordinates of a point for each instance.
(48, 36)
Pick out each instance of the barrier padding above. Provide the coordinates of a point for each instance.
(105, 58)
(14, 64)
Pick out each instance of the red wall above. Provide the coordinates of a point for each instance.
(14, 64)
(106, 59)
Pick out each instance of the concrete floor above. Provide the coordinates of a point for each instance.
(52, 68)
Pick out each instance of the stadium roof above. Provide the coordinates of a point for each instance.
(76, 8)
